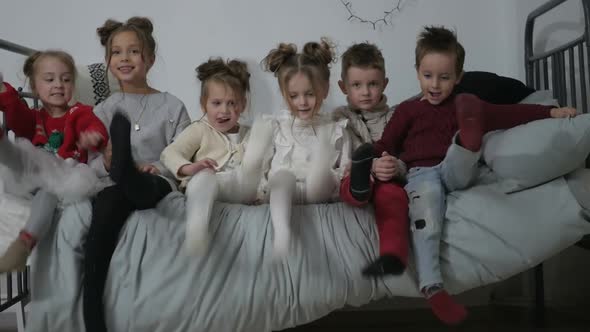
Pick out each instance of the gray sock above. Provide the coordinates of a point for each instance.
(42, 210)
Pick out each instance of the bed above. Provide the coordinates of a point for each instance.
(237, 286)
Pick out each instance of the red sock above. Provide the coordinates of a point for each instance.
(470, 115)
(446, 309)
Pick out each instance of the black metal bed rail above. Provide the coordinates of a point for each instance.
(566, 71)
(13, 296)
(15, 48)
(16, 290)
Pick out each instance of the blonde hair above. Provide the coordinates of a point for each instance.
(313, 62)
(231, 73)
(30, 66)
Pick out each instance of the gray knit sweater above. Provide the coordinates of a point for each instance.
(159, 116)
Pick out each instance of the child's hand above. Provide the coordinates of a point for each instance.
(385, 167)
(149, 168)
(89, 139)
(563, 112)
(107, 155)
(194, 168)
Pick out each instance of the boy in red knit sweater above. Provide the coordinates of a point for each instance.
(439, 138)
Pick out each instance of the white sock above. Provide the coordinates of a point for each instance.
(321, 182)
(201, 193)
(259, 142)
(282, 189)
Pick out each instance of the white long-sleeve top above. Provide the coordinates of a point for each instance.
(294, 144)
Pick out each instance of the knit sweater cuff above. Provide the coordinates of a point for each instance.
(8, 97)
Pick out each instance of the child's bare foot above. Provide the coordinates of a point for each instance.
(470, 121)
(16, 255)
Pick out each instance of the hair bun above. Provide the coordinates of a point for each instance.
(276, 57)
(28, 67)
(142, 23)
(218, 67)
(239, 70)
(322, 52)
(211, 67)
(107, 29)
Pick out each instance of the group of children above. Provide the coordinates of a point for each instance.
(403, 161)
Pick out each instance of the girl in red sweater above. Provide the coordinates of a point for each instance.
(59, 130)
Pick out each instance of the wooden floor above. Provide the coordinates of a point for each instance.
(481, 319)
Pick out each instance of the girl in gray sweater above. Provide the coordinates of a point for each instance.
(142, 121)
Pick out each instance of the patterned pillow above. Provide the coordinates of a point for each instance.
(94, 84)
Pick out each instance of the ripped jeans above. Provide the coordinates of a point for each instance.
(427, 188)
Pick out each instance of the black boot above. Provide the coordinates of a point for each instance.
(384, 265)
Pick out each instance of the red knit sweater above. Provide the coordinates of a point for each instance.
(38, 125)
(420, 133)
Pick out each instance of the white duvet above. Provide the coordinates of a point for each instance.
(489, 236)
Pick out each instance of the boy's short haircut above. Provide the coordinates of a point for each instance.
(439, 40)
(363, 55)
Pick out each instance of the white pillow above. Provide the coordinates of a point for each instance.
(537, 152)
(541, 97)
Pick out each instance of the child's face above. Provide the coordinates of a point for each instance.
(127, 61)
(303, 100)
(438, 76)
(364, 87)
(222, 107)
(54, 82)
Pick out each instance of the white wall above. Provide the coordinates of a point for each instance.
(189, 32)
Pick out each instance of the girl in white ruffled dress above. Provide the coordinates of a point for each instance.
(310, 151)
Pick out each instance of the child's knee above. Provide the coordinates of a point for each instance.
(387, 192)
(425, 194)
(203, 180)
(426, 211)
(282, 179)
(108, 197)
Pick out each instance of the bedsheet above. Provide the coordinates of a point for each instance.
(152, 286)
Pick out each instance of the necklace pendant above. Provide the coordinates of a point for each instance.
(136, 127)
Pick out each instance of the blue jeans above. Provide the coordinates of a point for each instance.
(427, 188)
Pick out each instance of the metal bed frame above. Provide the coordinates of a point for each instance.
(566, 71)
(21, 294)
